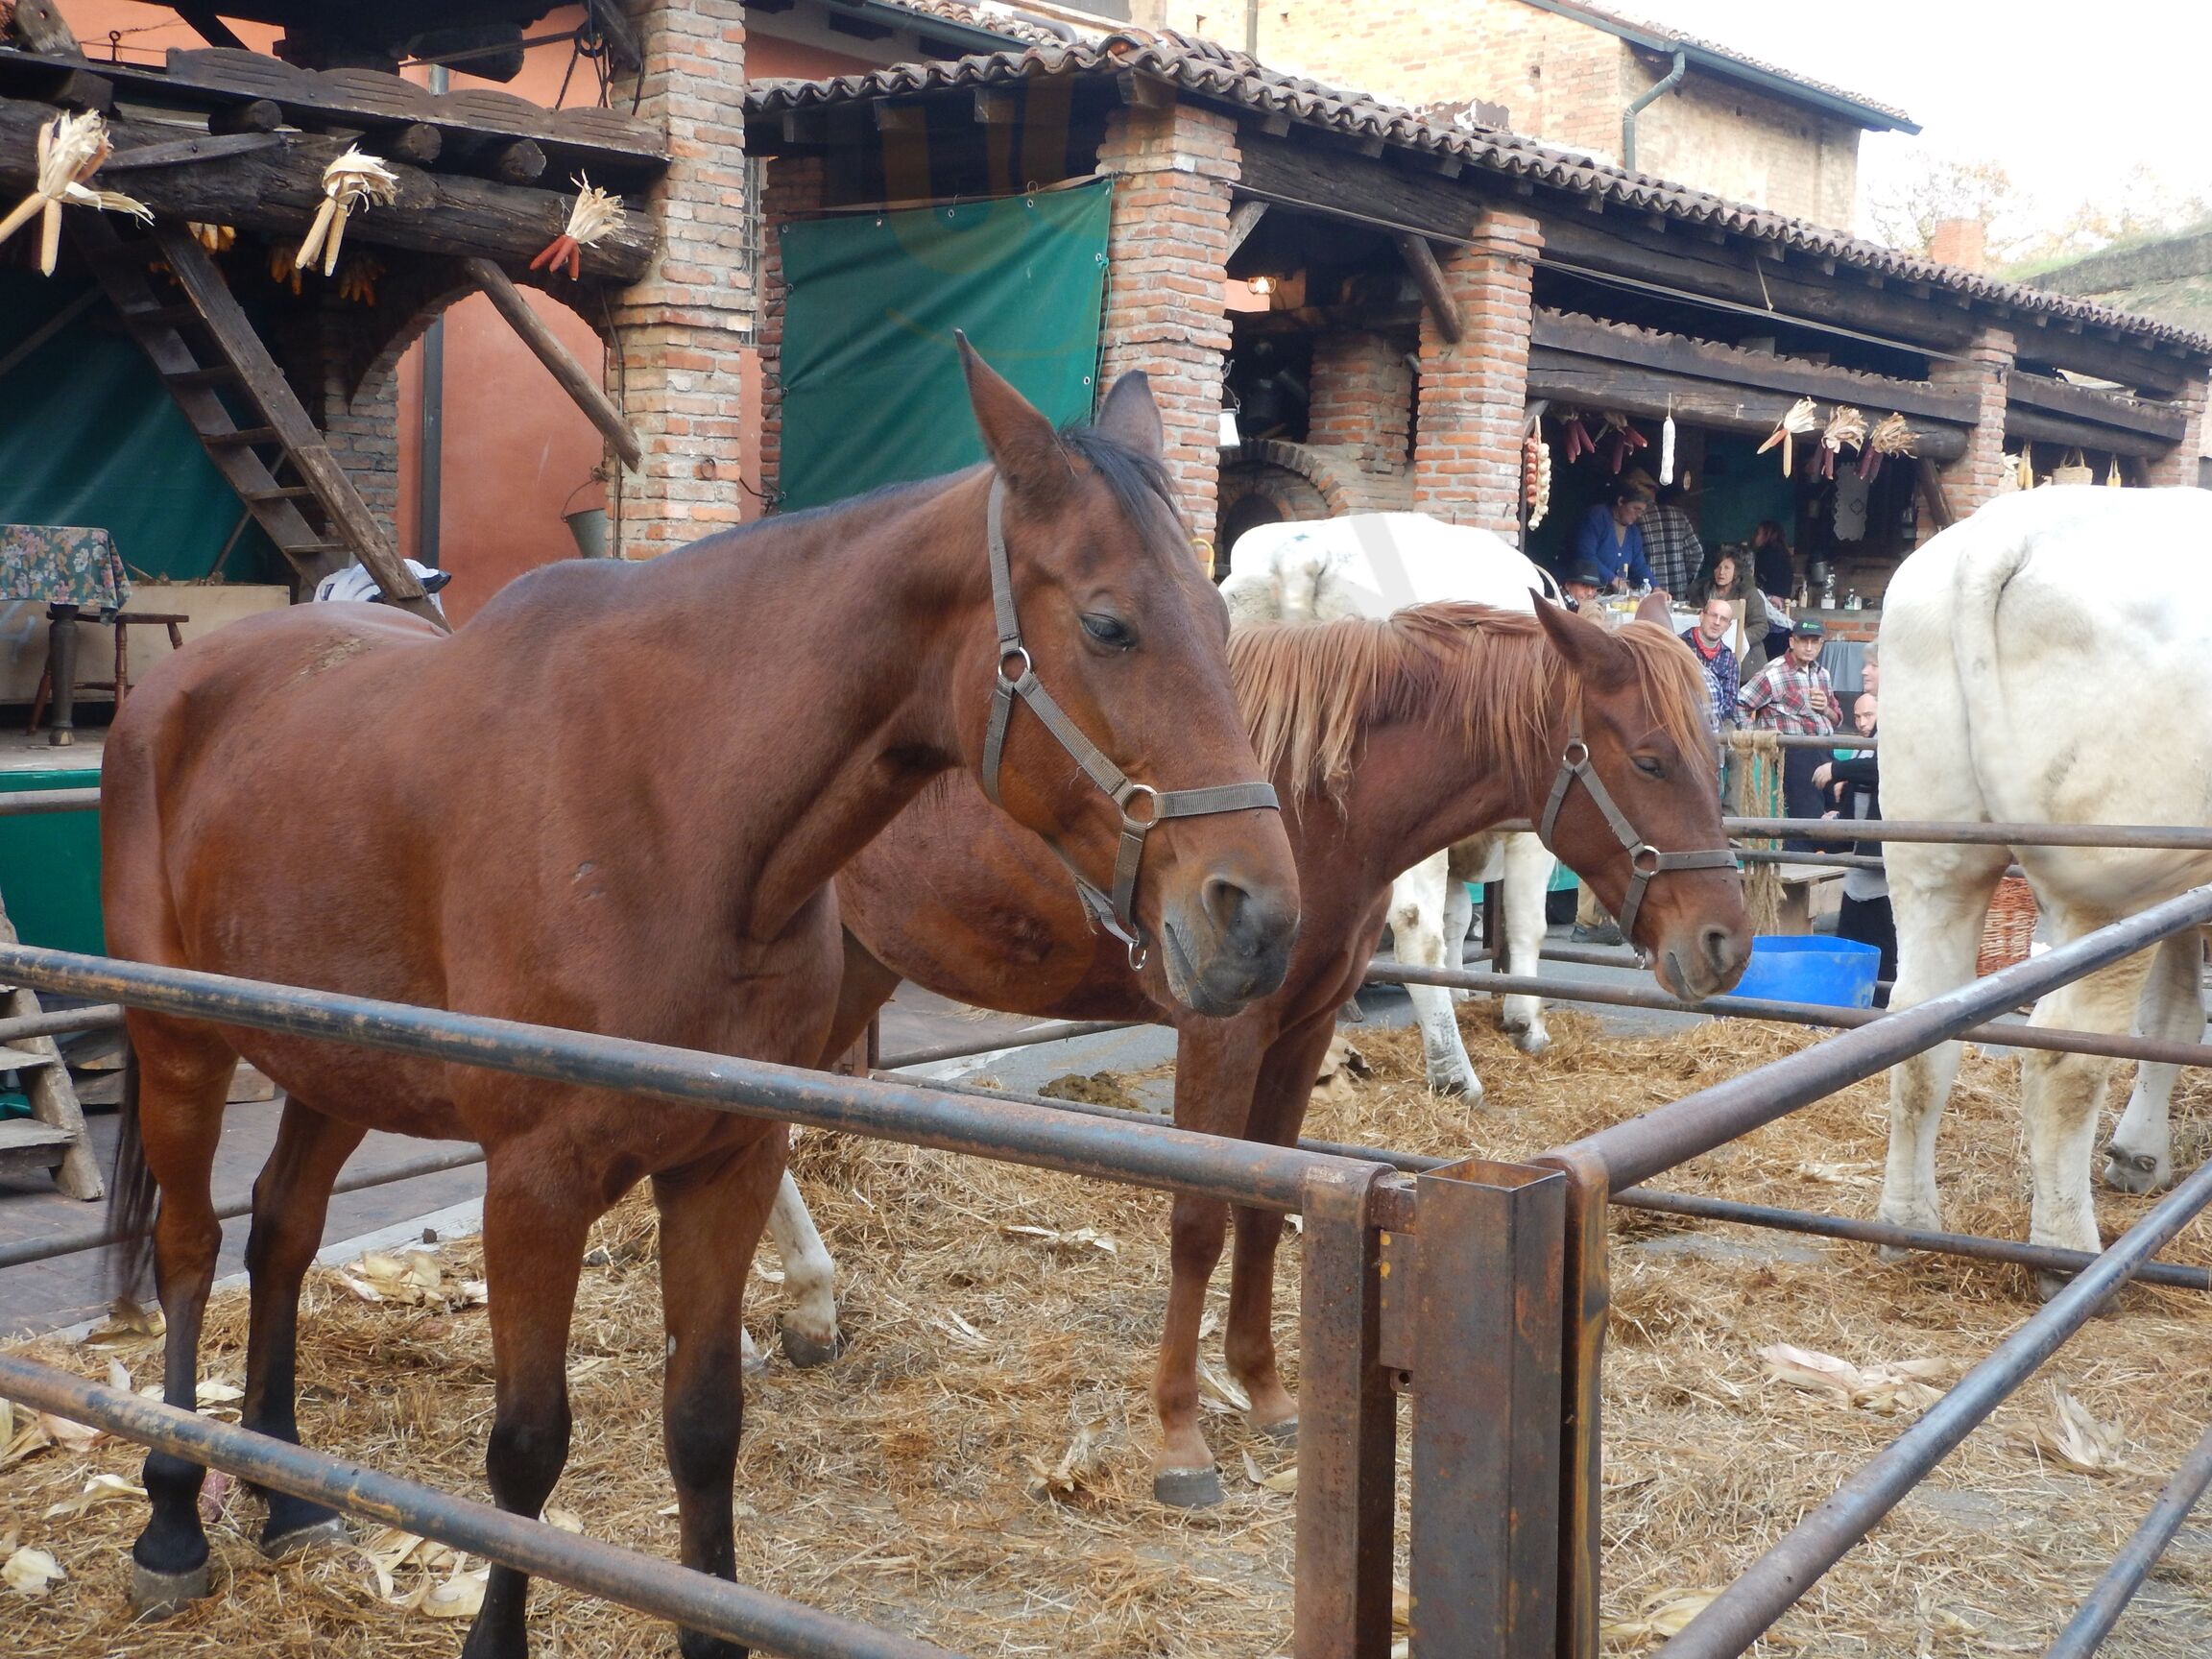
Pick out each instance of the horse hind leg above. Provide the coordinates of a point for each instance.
(1417, 935)
(711, 1215)
(173, 1119)
(2139, 1158)
(290, 1201)
(1529, 867)
(535, 1223)
(810, 1325)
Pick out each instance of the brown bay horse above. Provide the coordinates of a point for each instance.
(1387, 739)
(614, 802)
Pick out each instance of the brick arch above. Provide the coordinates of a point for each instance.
(416, 294)
(1273, 479)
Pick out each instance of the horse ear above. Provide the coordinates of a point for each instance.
(1129, 416)
(1597, 659)
(1019, 440)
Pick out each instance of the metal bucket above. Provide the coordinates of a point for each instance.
(590, 528)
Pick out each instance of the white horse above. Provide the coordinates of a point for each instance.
(2045, 661)
(1370, 564)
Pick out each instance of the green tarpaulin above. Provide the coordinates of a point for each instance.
(872, 386)
(88, 435)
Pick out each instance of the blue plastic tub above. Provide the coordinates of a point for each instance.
(1808, 968)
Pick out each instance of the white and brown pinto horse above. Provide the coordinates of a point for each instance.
(1370, 564)
(2014, 647)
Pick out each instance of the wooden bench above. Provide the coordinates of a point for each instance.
(1808, 891)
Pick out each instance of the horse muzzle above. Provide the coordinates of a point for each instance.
(1226, 946)
(1701, 960)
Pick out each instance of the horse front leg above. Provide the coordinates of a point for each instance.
(1529, 867)
(538, 1208)
(1216, 1064)
(290, 1200)
(1277, 1113)
(2139, 1158)
(181, 1074)
(1417, 936)
(1941, 897)
(711, 1214)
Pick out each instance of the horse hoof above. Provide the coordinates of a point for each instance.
(697, 1645)
(1892, 1255)
(165, 1594)
(2131, 1171)
(1532, 1041)
(1186, 1488)
(1283, 1433)
(808, 1352)
(331, 1529)
(1352, 1014)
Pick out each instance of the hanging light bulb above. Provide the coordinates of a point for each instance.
(1230, 437)
(1262, 285)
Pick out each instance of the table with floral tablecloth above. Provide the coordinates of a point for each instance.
(62, 565)
(68, 568)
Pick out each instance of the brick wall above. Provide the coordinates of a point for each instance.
(1361, 399)
(1563, 82)
(1467, 446)
(1167, 248)
(1977, 476)
(2182, 467)
(679, 331)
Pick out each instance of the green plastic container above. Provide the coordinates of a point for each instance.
(50, 865)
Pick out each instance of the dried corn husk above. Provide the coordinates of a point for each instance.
(1891, 436)
(354, 180)
(71, 150)
(1884, 1387)
(1846, 426)
(1802, 417)
(594, 213)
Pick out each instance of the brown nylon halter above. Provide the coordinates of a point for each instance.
(1117, 915)
(1645, 860)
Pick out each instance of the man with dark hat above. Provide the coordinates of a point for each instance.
(1794, 694)
(1581, 585)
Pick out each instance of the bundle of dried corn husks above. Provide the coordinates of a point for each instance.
(352, 180)
(70, 151)
(1891, 436)
(1802, 417)
(1846, 426)
(594, 214)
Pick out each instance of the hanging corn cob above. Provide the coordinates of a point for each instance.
(1802, 417)
(1575, 437)
(215, 238)
(1891, 436)
(352, 180)
(1666, 449)
(1536, 476)
(1846, 426)
(285, 268)
(1620, 439)
(2113, 479)
(70, 151)
(594, 214)
(357, 277)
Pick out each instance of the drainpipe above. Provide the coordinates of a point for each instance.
(430, 453)
(1672, 79)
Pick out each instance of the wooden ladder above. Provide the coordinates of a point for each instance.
(238, 374)
(52, 1137)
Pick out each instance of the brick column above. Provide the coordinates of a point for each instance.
(682, 327)
(1467, 444)
(1167, 252)
(2181, 466)
(1361, 401)
(792, 190)
(1976, 476)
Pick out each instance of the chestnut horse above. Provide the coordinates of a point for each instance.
(1389, 738)
(614, 802)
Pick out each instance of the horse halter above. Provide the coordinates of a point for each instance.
(1645, 860)
(1116, 914)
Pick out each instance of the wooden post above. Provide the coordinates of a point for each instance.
(1428, 276)
(53, 1099)
(598, 408)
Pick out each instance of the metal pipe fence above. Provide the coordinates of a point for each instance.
(2087, 1631)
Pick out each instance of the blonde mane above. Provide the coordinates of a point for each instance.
(1309, 690)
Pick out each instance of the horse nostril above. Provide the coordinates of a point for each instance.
(1227, 905)
(1719, 947)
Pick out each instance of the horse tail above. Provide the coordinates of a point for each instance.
(1978, 590)
(132, 1196)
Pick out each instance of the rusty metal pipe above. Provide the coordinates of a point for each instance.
(2086, 1630)
(1644, 1147)
(2149, 837)
(1057, 1032)
(1742, 1612)
(2058, 1040)
(1138, 1154)
(1975, 1246)
(692, 1599)
(33, 801)
(58, 1022)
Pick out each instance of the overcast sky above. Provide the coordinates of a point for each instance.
(2067, 97)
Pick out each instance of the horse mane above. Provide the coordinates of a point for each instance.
(1309, 690)
(1139, 483)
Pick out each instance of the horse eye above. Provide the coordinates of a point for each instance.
(1650, 767)
(1109, 631)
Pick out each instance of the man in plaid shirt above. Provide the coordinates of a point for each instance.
(1709, 638)
(1792, 693)
(1671, 544)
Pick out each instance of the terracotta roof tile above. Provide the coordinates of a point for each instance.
(1210, 70)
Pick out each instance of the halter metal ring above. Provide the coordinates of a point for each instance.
(1008, 655)
(1637, 854)
(1129, 819)
(1577, 755)
(1138, 957)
